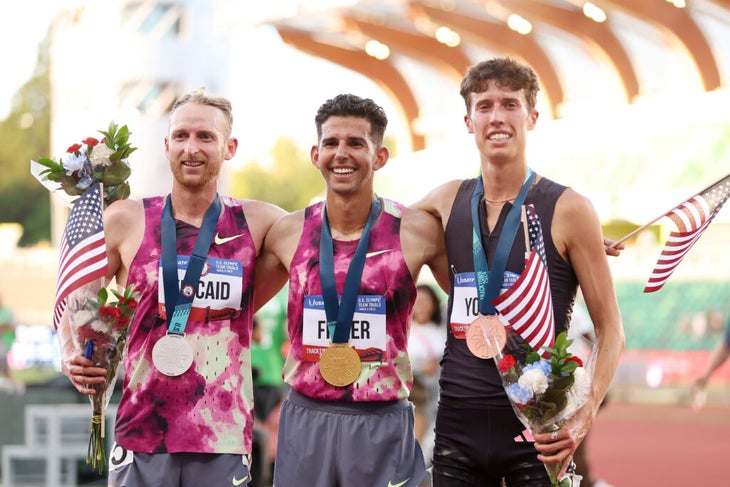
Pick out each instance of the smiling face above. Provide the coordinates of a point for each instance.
(198, 144)
(500, 118)
(347, 156)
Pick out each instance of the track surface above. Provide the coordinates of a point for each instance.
(637, 445)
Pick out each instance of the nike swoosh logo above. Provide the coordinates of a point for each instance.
(221, 240)
(373, 254)
(391, 484)
(235, 481)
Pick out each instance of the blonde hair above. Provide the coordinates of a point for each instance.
(202, 97)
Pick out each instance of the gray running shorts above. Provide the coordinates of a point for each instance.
(133, 469)
(347, 444)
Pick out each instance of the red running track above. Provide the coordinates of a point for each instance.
(639, 445)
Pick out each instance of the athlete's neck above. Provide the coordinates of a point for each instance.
(190, 207)
(347, 217)
(502, 182)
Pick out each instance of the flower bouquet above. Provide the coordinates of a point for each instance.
(99, 329)
(544, 390)
(90, 176)
(88, 162)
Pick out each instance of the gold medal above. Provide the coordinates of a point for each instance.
(172, 355)
(486, 336)
(339, 364)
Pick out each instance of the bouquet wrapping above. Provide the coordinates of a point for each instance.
(544, 389)
(90, 176)
(544, 382)
(99, 329)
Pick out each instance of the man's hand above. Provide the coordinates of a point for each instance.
(82, 373)
(608, 246)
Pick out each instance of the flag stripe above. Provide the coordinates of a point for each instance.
(527, 305)
(530, 308)
(83, 256)
(691, 218)
(94, 252)
(670, 259)
(85, 272)
(690, 214)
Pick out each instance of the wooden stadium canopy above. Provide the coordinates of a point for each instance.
(409, 28)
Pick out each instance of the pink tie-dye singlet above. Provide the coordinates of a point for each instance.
(381, 321)
(207, 409)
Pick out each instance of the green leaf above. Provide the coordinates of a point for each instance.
(116, 173)
(103, 296)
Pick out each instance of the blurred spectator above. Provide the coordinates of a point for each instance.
(581, 332)
(267, 338)
(266, 362)
(7, 337)
(718, 357)
(425, 349)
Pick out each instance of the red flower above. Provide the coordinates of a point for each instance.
(507, 362)
(73, 148)
(122, 322)
(85, 333)
(576, 360)
(90, 141)
(110, 312)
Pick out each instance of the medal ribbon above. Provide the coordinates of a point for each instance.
(177, 305)
(339, 314)
(489, 281)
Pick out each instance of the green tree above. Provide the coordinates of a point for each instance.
(290, 182)
(25, 135)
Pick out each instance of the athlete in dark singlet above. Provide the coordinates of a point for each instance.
(479, 441)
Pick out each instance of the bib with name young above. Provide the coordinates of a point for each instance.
(465, 307)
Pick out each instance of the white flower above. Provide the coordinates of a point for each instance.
(100, 326)
(534, 380)
(582, 381)
(81, 317)
(73, 163)
(578, 394)
(100, 155)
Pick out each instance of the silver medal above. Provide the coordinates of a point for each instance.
(172, 355)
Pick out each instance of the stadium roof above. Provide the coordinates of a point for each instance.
(624, 47)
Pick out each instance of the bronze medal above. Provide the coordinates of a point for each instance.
(172, 355)
(486, 336)
(339, 364)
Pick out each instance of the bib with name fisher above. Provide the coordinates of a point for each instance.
(340, 364)
(367, 334)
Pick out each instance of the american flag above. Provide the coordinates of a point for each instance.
(83, 249)
(691, 218)
(527, 305)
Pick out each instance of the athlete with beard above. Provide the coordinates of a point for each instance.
(185, 414)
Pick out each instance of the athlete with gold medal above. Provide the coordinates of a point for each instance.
(352, 263)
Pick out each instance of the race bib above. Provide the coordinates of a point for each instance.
(465, 302)
(367, 334)
(219, 291)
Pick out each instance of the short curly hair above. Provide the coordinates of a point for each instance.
(505, 72)
(347, 105)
